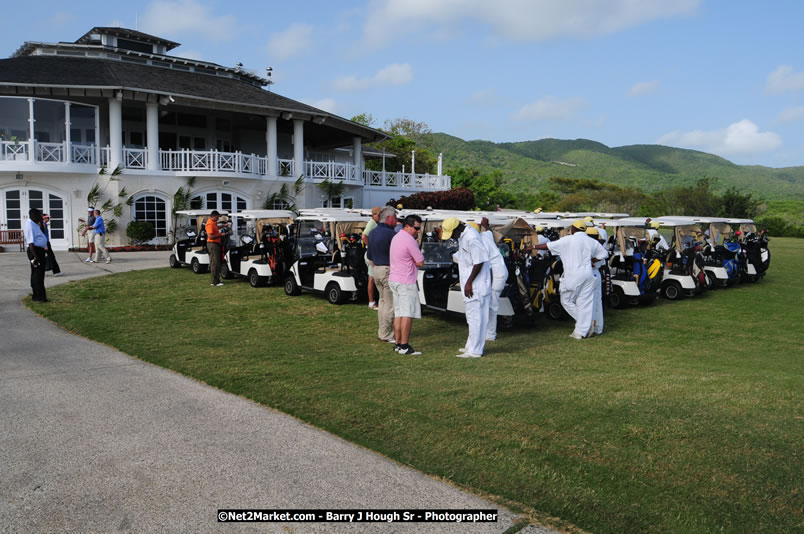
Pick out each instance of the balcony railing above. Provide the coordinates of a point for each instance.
(213, 161)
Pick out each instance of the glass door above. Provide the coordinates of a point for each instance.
(17, 202)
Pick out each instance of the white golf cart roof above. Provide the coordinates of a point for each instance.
(200, 213)
(321, 217)
(631, 222)
(264, 214)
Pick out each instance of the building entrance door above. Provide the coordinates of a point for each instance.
(16, 203)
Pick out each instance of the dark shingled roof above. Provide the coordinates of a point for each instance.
(125, 33)
(99, 73)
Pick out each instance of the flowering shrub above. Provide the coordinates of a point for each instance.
(461, 198)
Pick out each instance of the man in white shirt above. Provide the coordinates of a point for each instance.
(499, 275)
(597, 311)
(656, 237)
(577, 288)
(473, 269)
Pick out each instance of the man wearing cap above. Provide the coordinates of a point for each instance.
(35, 243)
(371, 225)
(499, 275)
(214, 247)
(89, 231)
(378, 254)
(473, 270)
(577, 288)
(405, 258)
(597, 313)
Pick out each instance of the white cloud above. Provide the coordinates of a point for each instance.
(791, 114)
(550, 108)
(784, 79)
(395, 74)
(483, 98)
(738, 138)
(326, 104)
(165, 18)
(643, 88)
(295, 40)
(520, 20)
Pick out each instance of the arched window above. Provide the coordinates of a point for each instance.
(224, 201)
(153, 209)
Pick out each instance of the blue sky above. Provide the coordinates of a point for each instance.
(725, 77)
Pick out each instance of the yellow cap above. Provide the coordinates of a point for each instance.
(399, 206)
(537, 210)
(580, 224)
(588, 218)
(474, 225)
(655, 224)
(538, 228)
(592, 231)
(448, 226)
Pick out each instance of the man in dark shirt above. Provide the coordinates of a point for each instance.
(379, 246)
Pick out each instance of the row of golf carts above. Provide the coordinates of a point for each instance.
(321, 251)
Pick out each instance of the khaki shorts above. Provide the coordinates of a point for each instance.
(369, 265)
(406, 300)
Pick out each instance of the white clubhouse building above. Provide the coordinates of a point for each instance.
(116, 98)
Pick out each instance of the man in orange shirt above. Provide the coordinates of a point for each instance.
(214, 247)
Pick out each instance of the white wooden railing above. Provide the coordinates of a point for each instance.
(213, 161)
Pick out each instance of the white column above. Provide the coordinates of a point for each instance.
(440, 164)
(412, 162)
(298, 147)
(68, 149)
(31, 120)
(115, 133)
(152, 135)
(357, 157)
(270, 140)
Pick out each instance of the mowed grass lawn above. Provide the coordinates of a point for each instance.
(684, 417)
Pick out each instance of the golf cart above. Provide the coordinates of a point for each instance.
(262, 254)
(754, 248)
(721, 255)
(192, 250)
(328, 256)
(438, 280)
(636, 268)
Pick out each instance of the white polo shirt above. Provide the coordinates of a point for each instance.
(471, 251)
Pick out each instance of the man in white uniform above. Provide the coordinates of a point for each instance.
(499, 274)
(597, 314)
(473, 269)
(653, 234)
(577, 253)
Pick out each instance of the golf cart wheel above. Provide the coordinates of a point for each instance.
(291, 287)
(617, 298)
(196, 266)
(254, 279)
(672, 291)
(710, 282)
(174, 262)
(226, 273)
(555, 311)
(334, 293)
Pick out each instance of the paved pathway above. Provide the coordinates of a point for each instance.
(93, 440)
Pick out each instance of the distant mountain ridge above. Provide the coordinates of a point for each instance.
(527, 165)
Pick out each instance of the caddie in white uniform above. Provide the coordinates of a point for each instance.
(577, 253)
(499, 275)
(653, 233)
(597, 314)
(473, 269)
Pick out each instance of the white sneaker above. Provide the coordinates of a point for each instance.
(91, 261)
(219, 284)
(372, 305)
(59, 274)
(575, 336)
(462, 349)
(468, 355)
(109, 260)
(88, 260)
(491, 339)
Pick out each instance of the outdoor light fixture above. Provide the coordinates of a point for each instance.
(286, 115)
(319, 120)
(118, 95)
(165, 100)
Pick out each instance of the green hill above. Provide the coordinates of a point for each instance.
(527, 165)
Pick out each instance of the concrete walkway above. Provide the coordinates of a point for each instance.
(93, 440)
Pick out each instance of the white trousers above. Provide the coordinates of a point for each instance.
(597, 315)
(100, 247)
(477, 317)
(497, 285)
(579, 303)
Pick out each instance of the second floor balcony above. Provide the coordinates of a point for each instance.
(210, 162)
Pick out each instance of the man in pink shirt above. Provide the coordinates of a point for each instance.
(405, 259)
